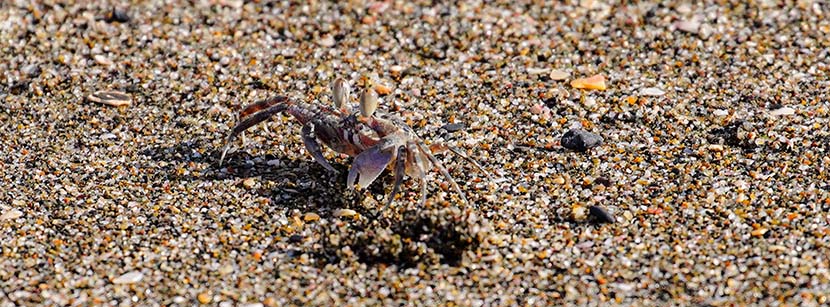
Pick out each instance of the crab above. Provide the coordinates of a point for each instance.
(377, 140)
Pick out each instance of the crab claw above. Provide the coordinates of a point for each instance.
(369, 164)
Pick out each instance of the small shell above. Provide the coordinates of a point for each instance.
(596, 82)
(340, 92)
(558, 75)
(112, 98)
(128, 278)
(382, 89)
(368, 102)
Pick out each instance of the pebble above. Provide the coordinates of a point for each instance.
(128, 278)
(295, 239)
(688, 26)
(578, 212)
(382, 89)
(558, 75)
(580, 140)
(759, 232)
(102, 60)
(327, 41)
(249, 183)
(602, 215)
(204, 297)
(783, 111)
(311, 217)
(536, 71)
(111, 98)
(453, 127)
(11, 214)
(720, 112)
(596, 82)
(705, 31)
(226, 269)
(345, 213)
(117, 15)
(652, 91)
(31, 70)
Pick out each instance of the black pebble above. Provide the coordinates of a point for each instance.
(453, 127)
(295, 239)
(601, 214)
(118, 16)
(603, 181)
(580, 140)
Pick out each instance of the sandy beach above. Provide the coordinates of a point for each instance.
(695, 171)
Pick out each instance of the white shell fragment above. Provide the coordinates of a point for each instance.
(782, 111)
(345, 213)
(11, 214)
(558, 75)
(111, 98)
(536, 71)
(720, 112)
(128, 278)
(688, 26)
(652, 91)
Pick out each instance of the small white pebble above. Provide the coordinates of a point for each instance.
(345, 213)
(128, 278)
(326, 41)
(536, 109)
(102, 60)
(689, 26)
(225, 270)
(720, 112)
(652, 91)
(536, 71)
(782, 111)
(11, 214)
(558, 75)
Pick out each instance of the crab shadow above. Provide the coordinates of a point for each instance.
(402, 237)
(286, 182)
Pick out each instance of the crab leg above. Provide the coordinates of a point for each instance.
(419, 169)
(307, 134)
(400, 169)
(458, 152)
(443, 171)
(253, 115)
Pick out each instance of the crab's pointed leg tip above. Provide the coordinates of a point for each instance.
(222, 158)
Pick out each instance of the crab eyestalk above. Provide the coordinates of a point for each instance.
(368, 102)
(340, 93)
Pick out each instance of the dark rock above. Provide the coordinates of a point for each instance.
(603, 181)
(602, 215)
(295, 239)
(117, 15)
(580, 140)
(453, 127)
